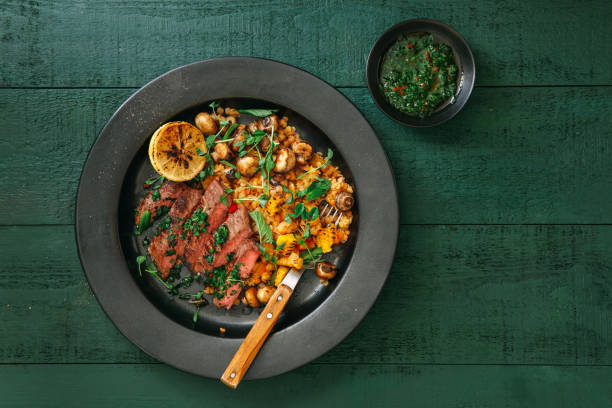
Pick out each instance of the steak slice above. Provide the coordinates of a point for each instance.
(185, 204)
(239, 231)
(163, 253)
(197, 247)
(168, 192)
(247, 256)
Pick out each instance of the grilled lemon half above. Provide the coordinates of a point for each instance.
(173, 151)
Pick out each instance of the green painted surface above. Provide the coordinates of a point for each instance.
(501, 291)
(513, 156)
(314, 385)
(127, 43)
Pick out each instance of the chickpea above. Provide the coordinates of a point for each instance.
(285, 161)
(206, 123)
(303, 151)
(221, 152)
(247, 166)
(265, 293)
(251, 297)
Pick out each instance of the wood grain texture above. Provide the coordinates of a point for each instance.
(322, 386)
(128, 43)
(513, 156)
(463, 294)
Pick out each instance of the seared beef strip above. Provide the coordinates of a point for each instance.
(168, 192)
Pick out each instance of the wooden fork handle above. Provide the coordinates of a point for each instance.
(249, 348)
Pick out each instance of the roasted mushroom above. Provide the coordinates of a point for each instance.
(325, 270)
(230, 174)
(344, 201)
(251, 297)
(285, 160)
(265, 293)
(221, 152)
(247, 165)
(268, 123)
(206, 123)
(303, 151)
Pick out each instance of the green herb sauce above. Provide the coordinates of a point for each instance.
(417, 76)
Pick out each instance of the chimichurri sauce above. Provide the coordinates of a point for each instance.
(417, 75)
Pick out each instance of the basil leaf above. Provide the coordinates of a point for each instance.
(145, 222)
(265, 233)
(258, 112)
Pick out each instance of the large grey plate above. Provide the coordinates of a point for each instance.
(318, 317)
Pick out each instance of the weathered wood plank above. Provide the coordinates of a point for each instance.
(155, 385)
(526, 155)
(468, 294)
(128, 43)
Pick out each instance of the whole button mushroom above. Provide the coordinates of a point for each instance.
(285, 160)
(325, 270)
(344, 201)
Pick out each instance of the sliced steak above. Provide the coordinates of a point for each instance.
(197, 247)
(185, 204)
(163, 253)
(247, 256)
(168, 192)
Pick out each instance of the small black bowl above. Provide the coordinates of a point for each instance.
(464, 60)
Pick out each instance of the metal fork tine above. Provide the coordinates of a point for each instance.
(339, 218)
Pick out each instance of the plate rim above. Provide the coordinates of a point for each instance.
(144, 328)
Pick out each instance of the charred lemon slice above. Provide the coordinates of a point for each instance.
(173, 151)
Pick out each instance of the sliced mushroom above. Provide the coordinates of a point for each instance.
(344, 201)
(285, 160)
(326, 270)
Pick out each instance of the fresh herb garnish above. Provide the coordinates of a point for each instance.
(145, 222)
(227, 163)
(140, 260)
(316, 189)
(230, 130)
(300, 211)
(220, 235)
(258, 112)
(265, 233)
(197, 223)
(170, 252)
(155, 195)
(330, 154)
(200, 152)
(223, 199)
(313, 255)
(213, 105)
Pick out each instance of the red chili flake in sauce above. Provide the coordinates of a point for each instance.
(232, 208)
(145, 185)
(423, 84)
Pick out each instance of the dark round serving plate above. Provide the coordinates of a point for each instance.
(442, 33)
(318, 317)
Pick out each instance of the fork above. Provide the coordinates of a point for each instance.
(262, 327)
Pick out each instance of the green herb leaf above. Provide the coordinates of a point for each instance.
(220, 235)
(316, 189)
(237, 175)
(312, 256)
(200, 152)
(265, 233)
(228, 163)
(155, 195)
(209, 142)
(140, 260)
(258, 112)
(145, 222)
(213, 104)
(230, 130)
(223, 199)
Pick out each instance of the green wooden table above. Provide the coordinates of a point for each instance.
(501, 290)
